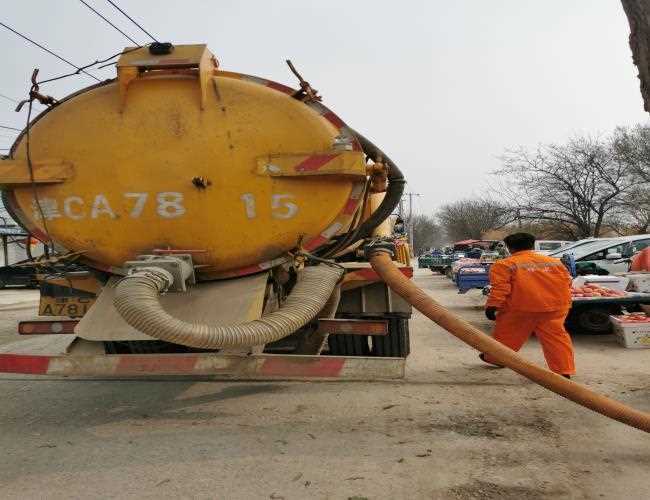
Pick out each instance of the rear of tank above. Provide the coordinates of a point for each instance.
(176, 157)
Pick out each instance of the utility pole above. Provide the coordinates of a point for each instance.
(410, 219)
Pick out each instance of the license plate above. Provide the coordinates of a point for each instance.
(74, 307)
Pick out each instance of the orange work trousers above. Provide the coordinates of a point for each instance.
(514, 327)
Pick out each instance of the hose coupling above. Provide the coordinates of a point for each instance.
(178, 270)
(379, 245)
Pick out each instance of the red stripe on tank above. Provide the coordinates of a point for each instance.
(280, 87)
(314, 162)
(350, 206)
(333, 119)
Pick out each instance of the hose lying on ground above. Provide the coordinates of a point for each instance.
(137, 301)
(381, 262)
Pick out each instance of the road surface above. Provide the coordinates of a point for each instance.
(454, 429)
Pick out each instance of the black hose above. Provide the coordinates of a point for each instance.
(396, 182)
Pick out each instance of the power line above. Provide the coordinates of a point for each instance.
(118, 29)
(48, 51)
(9, 98)
(10, 128)
(133, 21)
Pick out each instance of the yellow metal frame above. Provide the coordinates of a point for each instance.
(194, 60)
(16, 172)
(346, 163)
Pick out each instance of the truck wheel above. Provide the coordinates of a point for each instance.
(348, 345)
(591, 320)
(394, 345)
(2, 284)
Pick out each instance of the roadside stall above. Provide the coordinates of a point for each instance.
(471, 276)
(474, 274)
(596, 298)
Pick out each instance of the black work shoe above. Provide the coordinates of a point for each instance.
(482, 358)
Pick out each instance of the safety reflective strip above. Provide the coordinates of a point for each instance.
(22, 363)
(264, 366)
(537, 265)
(319, 367)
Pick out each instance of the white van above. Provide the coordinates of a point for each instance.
(547, 246)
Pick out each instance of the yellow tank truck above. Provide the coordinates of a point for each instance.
(220, 216)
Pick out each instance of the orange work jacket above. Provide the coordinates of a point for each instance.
(529, 282)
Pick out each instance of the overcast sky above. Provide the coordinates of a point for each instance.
(443, 87)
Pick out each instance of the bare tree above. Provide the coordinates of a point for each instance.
(426, 233)
(632, 216)
(576, 185)
(471, 218)
(631, 145)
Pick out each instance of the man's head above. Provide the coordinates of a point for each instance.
(519, 241)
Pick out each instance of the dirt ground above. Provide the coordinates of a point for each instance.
(453, 429)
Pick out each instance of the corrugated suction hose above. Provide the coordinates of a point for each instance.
(383, 265)
(137, 301)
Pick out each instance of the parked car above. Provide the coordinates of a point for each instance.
(547, 246)
(609, 254)
(570, 249)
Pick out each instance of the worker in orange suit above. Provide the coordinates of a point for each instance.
(531, 292)
(641, 261)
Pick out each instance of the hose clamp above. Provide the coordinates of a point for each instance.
(379, 246)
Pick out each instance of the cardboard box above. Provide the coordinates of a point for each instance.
(639, 282)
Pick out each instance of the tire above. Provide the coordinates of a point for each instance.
(448, 273)
(590, 320)
(394, 345)
(348, 345)
(2, 284)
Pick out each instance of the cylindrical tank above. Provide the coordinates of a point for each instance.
(182, 156)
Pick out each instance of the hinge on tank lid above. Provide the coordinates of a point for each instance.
(194, 60)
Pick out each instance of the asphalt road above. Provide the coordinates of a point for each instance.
(453, 429)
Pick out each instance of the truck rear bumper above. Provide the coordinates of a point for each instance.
(53, 356)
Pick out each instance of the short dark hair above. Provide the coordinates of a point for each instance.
(519, 241)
